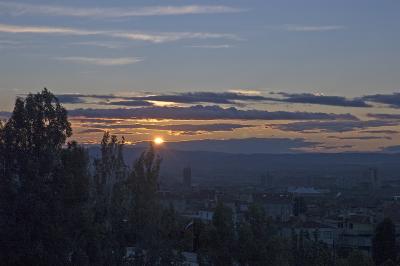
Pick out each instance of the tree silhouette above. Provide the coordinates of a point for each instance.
(384, 242)
(31, 146)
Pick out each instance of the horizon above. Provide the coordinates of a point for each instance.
(311, 77)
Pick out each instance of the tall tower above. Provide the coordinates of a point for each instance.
(187, 177)
(374, 178)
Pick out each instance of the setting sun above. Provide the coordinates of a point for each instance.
(158, 140)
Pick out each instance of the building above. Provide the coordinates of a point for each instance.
(313, 230)
(187, 177)
(355, 231)
(278, 207)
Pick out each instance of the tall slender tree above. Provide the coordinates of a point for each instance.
(144, 213)
(109, 177)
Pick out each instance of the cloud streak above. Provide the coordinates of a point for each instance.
(184, 98)
(186, 128)
(101, 61)
(128, 35)
(385, 116)
(200, 112)
(309, 98)
(212, 46)
(332, 126)
(360, 137)
(20, 9)
(240, 98)
(393, 100)
(311, 28)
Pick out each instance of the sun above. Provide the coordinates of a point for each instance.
(158, 140)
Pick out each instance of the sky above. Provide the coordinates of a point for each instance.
(287, 76)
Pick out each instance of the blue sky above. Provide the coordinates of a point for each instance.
(338, 48)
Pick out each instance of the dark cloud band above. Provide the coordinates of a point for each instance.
(200, 112)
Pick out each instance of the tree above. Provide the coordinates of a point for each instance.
(384, 242)
(357, 258)
(222, 236)
(73, 189)
(144, 209)
(31, 145)
(255, 240)
(108, 196)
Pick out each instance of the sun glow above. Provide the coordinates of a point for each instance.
(158, 140)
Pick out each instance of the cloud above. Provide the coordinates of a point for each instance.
(332, 126)
(205, 97)
(187, 97)
(184, 128)
(5, 114)
(385, 116)
(128, 35)
(131, 103)
(102, 44)
(380, 131)
(212, 46)
(96, 120)
(360, 137)
(309, 98)
(310, 28)
(246, 146)
(7, 28)
(91, 130)
(20, 9)
(239, 97)
(391, 149)
(70, 99)
(393, 100)
(327, 147)
(101, 61)
(200, 112)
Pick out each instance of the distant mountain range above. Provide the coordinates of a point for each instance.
(222, 167)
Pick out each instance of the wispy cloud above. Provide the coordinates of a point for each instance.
(128, 35)
(212, 46)
(19, 9)
(102, 61)
(7, 28)
(102, 44)
(308, 28)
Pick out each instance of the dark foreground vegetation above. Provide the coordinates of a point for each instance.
(59, 208)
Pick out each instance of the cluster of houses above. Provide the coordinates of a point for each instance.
(343, 220)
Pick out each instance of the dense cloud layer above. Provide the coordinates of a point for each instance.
(200, 112)
(393, 100)
(185, 98)
(130, 103)
(180, 127)
(385, 116)
(309, 98)
(360, 137)
(391, 149)
(332, 126)
(228, 98)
